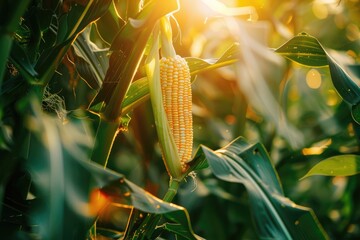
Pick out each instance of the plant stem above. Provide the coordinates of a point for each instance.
(148, 226)
(172, 190)
(104, 140)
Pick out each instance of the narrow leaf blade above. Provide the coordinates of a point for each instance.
(342, 165)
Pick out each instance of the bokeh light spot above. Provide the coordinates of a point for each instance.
(313, 79)
(332, 98)
(352, 32)
(320, 10)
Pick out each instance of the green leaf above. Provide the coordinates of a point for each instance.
(79, 16)
(108, 26)
(344, 85)
(10, 13)
(133, 196)
(341, 165)
(21, 61)
(230, 56)
(180, 232)
(57, 158)
(275, 216)
(355, 113)
(126, 9)
(91, 62)
(70, 25)
(306, 50)
(137, 94)
(198, 162)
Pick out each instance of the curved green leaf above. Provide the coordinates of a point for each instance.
(355, 113)
(198, 65)
(304, 49)
(78, 17)
(127, 194)
(342, 165)
(91, 62)
(276, 217)
(307, 50)
(344, 85)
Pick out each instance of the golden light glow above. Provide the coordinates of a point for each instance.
(313, 151)
(332, 98)
(317, 148)
(97, 201)
(320, 10)
(220, 8)
(198, 45)
(352, 32)
(313, 79)
(334, 215)
(293, 94)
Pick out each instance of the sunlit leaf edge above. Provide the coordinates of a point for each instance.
(307, 50)
(341, 165)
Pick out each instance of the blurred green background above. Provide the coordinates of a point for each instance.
(292, 109)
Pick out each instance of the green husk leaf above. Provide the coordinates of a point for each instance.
(166, 138)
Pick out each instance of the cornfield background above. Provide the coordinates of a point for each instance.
(86, 151)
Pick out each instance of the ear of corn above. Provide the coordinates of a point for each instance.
(177, 100)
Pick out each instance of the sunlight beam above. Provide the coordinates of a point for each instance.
(222, 9)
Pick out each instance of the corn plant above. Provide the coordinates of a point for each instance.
(101, 118)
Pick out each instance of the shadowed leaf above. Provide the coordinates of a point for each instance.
(276, 217)
(10, 13)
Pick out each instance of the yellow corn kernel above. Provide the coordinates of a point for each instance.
(177, 99)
